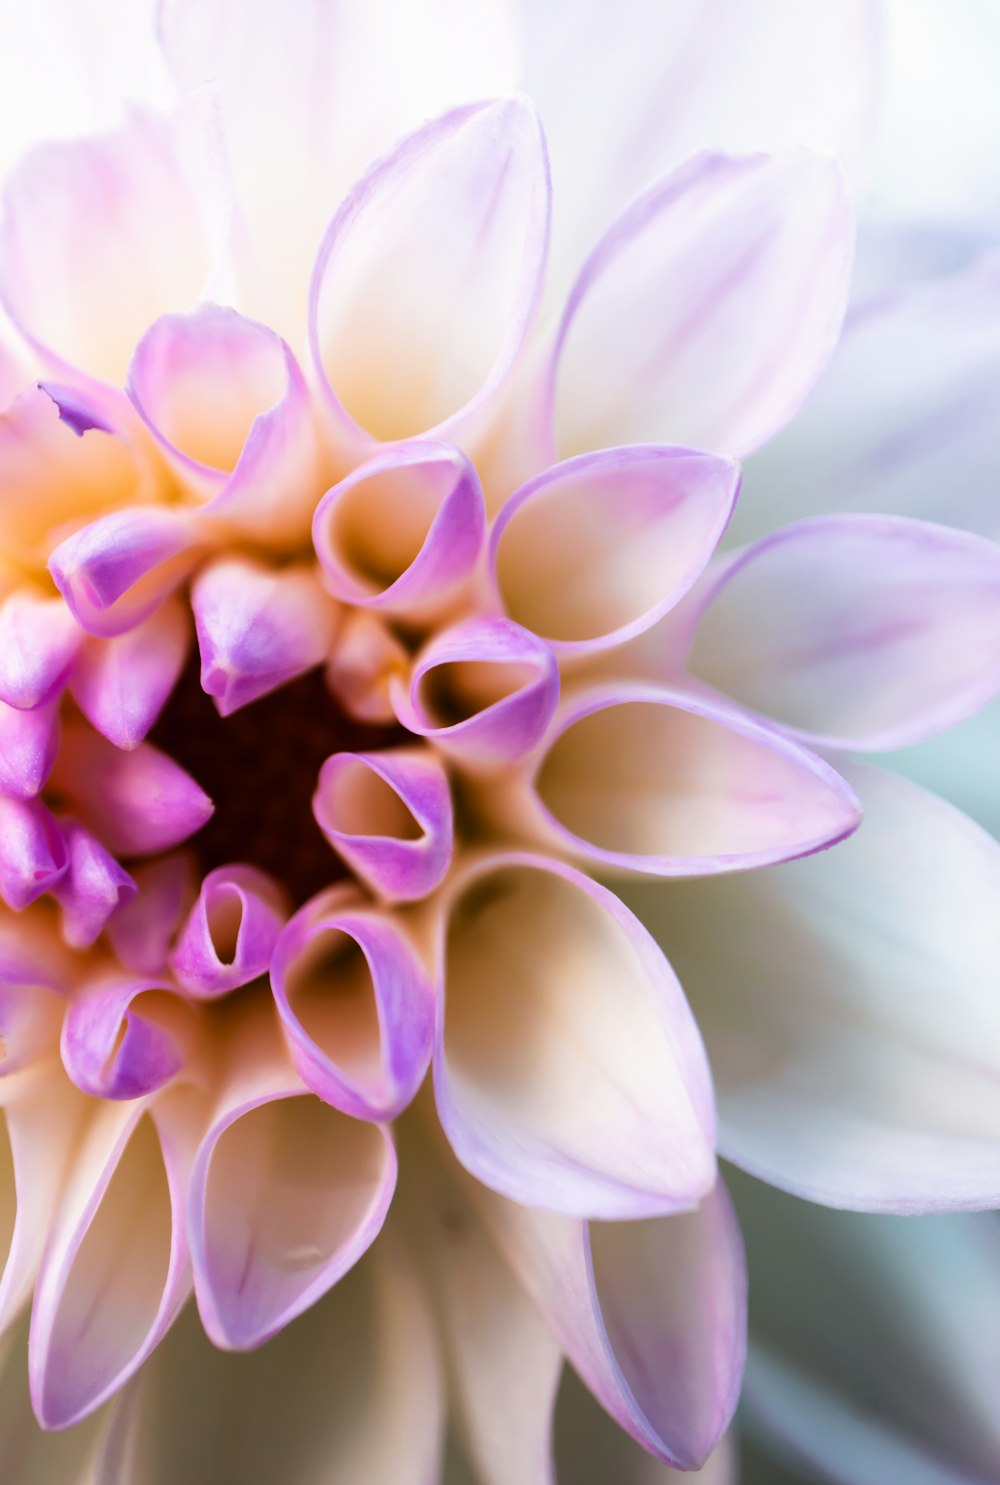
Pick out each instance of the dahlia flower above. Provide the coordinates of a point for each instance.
(422, 847)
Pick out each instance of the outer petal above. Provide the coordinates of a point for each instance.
(868, 632)
(857, 1066)
(121, 684)
(533, 954)
(355, 1004)
(706, 313)
(230, 932)
(430, 271)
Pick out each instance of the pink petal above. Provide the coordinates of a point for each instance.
(94, 886)
(125, 1037)
(121, 683)
(428, 276)
(597, 549)
(142, 931)
(258, 627)
(484, 691)
(867, 632)
(356, 1006)
(230, 932)
(38, 640)
(389, 815)
(33, 854)
(29, 741)
(709, 309)
(533, 954)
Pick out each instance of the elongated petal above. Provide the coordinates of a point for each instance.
(854, 1068)
(597, 549)
(258, 628)
(38, 640)
(652, 1314)
(429, 273)
(389, 815)
(230, 932)
(28, 744)
(356, 1006)
(484, 691)
(287, 1193)
(403, 530)
(123, 1038)
(33, 854)
(535, 955)
(121, 684)
(93, 887)
(710, 307)
(118, 570)
(651, 779)
(868, 632)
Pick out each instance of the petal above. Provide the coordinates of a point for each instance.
(857, 1066)
(33, 854)
(29, 741)
(406, 338)
(534, 955)
(121, 683)
(365, 658)
(865, 632)
(484, 691)
(258, 628)
(709, 309)
(647, 778)
(38, 640)
(230, 932)
(389, 815)
(287, 1193)
(123, 1038)
(403, 530)
(652, 1314)
(598, 548)
(31, 1002)
(142, 930)
(94, 886)
(355, 1004)
(117, 214)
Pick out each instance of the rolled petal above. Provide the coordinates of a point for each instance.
(38, 640)
(137, 803)
(123, 1038)
(595, 550)
(652, 1314)
(364, 660)
(258, 628)
(534, 954)
(854, 1068)
(33, 854)
(709, 309)
(230, 932)
(226, 399)
(28, 744)
(116, 1270)
(402, 531)
(121, 684)
(92, 888)
(865, 632)
(356, 1006)
(389, 815)
(115, 213)
(287, 1193)
(142, 931)
(118, 570)
(484, 691)
(652, 779)
(429, 273)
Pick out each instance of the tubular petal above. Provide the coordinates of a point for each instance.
(230, 932)
(113, 1047)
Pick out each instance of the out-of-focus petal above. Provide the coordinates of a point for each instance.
(961, 766)
(142, 930)
(118, 570)
(93, 887)
(258, 627)
(707, 312)
(857, 1065)
(121, 683)
(38, 640)
(365, 658)
(430, 272)
(230, 932)
(33, 854)
(28, 744)
(864, 632)
(549, 987)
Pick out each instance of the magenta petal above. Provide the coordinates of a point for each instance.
(117, 571)
(38, 640)
(403, 530)
(28, 744)
(498, 680)
(33, 854)
(121, 684)
(230, 932)
(389, 816)
(94, 886)
(356, 1005)
(143, 929)
(110, 1048)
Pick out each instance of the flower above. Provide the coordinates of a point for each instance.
(362, 620)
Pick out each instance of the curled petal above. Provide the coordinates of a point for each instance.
(598, 548)
(230, 932)
(258, 628)
(121, 683)
(709, 309)
(867, 632)
(484, 691)
(38, 640)
(389, 815)
(364, 660)
(93, 887)
(402, 531)
(28, 744)
(33, 854)
(287, 1193)
(430, 271)
(113, 1047)
(532, 954)
(356, 1006)
(143, 930)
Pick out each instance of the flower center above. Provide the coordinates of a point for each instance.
(259, 768)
